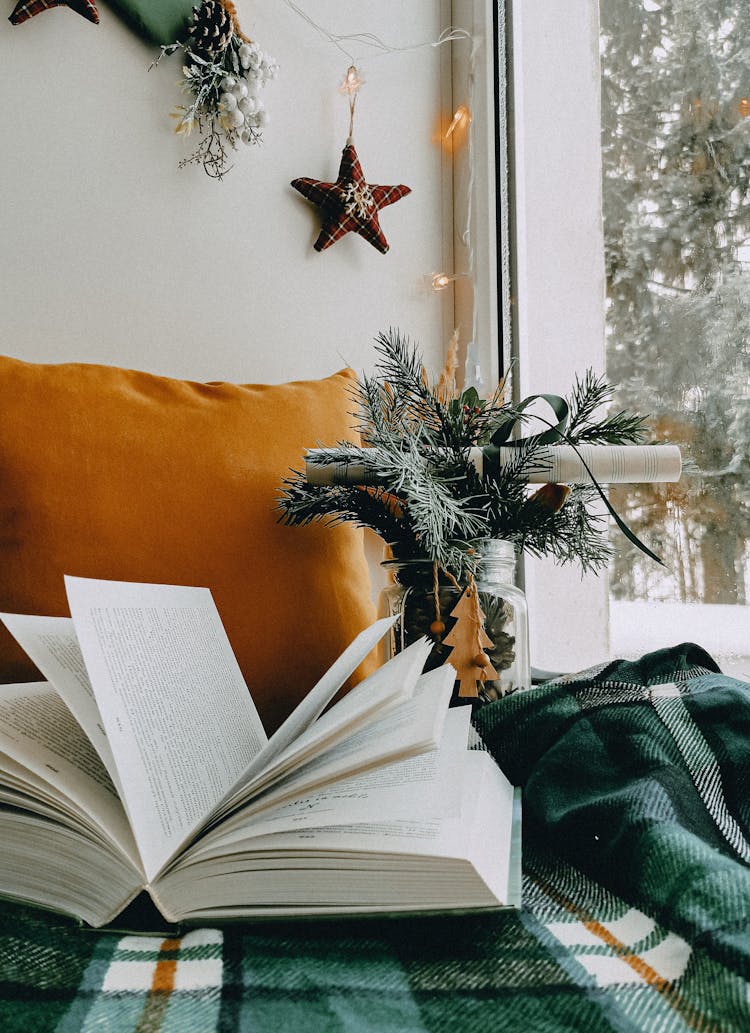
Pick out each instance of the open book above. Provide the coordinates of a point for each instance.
(141, 764)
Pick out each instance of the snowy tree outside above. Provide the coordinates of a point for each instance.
(676, 195)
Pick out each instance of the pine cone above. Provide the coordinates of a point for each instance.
(211, 30)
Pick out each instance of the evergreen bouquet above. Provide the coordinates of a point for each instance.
(423, 493)
(416, 481)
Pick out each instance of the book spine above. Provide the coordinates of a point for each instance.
(557, 464)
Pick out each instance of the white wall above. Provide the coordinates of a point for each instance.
(109, 253)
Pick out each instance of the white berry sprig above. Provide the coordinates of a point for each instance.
(224, 74)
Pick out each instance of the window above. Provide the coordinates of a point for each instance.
(676, 204)
(651, 105)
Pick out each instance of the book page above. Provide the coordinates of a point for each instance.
(38, 731)
(51, 643)
(428, 784)
(309, 709)
(474, 833)
(19, 778)
(409, 729)
(178, 715)
(414, 727)
(378, 865)
(384, 689)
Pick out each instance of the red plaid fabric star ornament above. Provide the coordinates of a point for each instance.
(351, 204)
(28, 8)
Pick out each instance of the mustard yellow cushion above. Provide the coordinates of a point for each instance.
(112, 473)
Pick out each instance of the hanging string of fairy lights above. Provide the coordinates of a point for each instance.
(455, 136)
(461, 122)
(369, 39)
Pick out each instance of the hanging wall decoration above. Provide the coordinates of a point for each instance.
(28, 8)
(351, 204)
(155, 20)
(223, 72)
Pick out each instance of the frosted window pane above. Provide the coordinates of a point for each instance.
(676, 194)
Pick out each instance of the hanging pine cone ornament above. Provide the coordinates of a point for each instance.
(210, 31)
(225, 73)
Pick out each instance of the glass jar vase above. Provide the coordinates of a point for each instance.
(424, 609)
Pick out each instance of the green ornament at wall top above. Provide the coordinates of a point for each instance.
(157, 21)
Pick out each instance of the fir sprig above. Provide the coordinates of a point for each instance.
(590, 394)
(365, 507)
(431, 501)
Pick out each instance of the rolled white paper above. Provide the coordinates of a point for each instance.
(557, 464)
(609, 464)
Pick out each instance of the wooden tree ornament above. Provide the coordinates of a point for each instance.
(469, 641)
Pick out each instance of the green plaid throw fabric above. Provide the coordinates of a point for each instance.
(636, 911)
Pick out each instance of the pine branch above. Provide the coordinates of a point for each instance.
(437, 515)
(402, 369)
(373, 508)
(580, 532)
(377, 422)
(618, 429)
(345, 453)
(590, 394)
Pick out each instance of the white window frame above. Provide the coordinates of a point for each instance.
(558, 270)
(535, 103)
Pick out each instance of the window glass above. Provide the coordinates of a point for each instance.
(676, 200)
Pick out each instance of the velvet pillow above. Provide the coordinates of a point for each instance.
(112, 473)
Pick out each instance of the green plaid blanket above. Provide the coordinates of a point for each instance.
(636, 911)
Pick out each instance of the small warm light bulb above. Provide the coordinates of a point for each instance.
(440, 281)
(744, 107)
(352, 81)
(461, 117)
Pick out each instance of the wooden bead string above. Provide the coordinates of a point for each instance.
(437, 627)
(481, 660)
